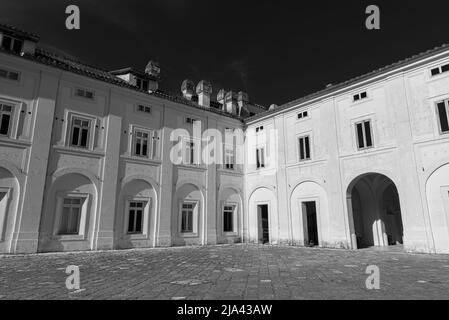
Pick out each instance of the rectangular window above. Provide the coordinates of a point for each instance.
(10, 75)
(229, 157)
(260, 158)
(135, 217)
(303, 115)
(360, 96)
(144, 109)
(84, 94)
(228, 218)
(5, 119)
(141, 143)
(439, 70)
(187, 217)
(71, 215)
(443, 115)
(12, 44)
(304, 148)
(364, 134)
(189, 152)
(259, 129)
(80, 133)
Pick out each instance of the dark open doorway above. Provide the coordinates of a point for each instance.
(264, 232)
(311, 225)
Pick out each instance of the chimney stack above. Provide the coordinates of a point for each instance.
(187, 88)
(220, 98)
(204, 90)
(242, 100)
(153, 71)
(231, 102)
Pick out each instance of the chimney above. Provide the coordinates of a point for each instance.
(242, 100)
(273, 107)
(154, 72)
(204, 90)
(231, 102)
(221, 97)
(187, 89)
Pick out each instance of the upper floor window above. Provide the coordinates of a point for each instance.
(5, 119)
(229, 157)
(360, 96)
(364, 134)
(12, 44)
(439, 70)
(142, 84)
(304, 148)
(71, 215)
(190, 120)
(190, 152)
(144, 109)
(83, 93)
(260, 158)
(443, 116)
(303, 115)
(80, 129)
(10, 75)
(141, 143)
(259, 129)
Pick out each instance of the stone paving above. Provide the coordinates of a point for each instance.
(226, 272)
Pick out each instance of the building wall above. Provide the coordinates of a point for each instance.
(38, 168)
(409, 151)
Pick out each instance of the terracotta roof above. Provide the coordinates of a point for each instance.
(132, 71)
(16, 31)
(74, 66)
(333, 88)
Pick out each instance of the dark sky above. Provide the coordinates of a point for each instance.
(276, 51)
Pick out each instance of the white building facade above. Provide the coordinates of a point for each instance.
(87, 159)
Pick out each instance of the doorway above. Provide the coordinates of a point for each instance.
(263, 223)
(310, 223)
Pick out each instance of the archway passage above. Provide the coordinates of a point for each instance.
(374, 208)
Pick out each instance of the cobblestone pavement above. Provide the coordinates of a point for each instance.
(226, 272)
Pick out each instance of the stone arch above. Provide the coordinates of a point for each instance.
(263, 220)
(69, 183)
(309, 213)
(9, 202)
(374, 211)
(437, 196)
(192, 231)
(137, 190)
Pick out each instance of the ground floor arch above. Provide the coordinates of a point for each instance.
(374, 211)
(9, 196)
(69, 214)
(135, 215)
(437, 195)
(188, 216)
(263, 224)
(309, 209)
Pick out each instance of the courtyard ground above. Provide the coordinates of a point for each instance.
(226, 272)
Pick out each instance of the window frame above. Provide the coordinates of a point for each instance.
(17, 106)
(8, 74)
(4, 206)
(260, 164)
(11, 118)
(195, 220)
(359, 96)
(299, 138)
(89, 131)
(303, 115)
(362, 122)
(234, 219)
(229, 157)
(193, 157)
(13, 41)
(83, 96)
(145, 217)
(446, 104)
(94, 124)
(86, 204)
(440, 70)
(149, 139)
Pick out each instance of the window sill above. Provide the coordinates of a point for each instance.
(230, 234)
(139, 236)
(136, 159)
(8, 141)
(79, 151)
(75, 237)
(188, 235)
(192, 167)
